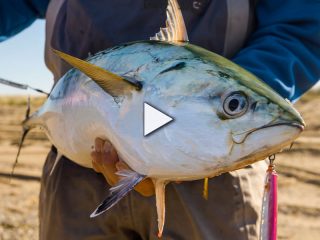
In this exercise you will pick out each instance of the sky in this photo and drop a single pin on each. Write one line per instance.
(22, 60)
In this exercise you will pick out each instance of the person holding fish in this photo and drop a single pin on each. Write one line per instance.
(277, 41)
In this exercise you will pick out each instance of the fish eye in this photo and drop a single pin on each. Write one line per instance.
(235, 104)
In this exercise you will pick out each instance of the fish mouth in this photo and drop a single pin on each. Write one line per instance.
(240, 138)
(254, 151)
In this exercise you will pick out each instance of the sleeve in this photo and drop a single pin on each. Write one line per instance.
(16, 15)
(284, 50)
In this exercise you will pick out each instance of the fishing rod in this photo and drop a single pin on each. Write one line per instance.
(21, 86)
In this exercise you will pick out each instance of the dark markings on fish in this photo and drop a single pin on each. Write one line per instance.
(117, 47)
(129, 179)
(223, 75)
(177, 66)
(212, 72)
(64, 87)
(253, 106)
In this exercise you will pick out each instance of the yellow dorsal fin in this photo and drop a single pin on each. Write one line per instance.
(175, 30)
(113, 84)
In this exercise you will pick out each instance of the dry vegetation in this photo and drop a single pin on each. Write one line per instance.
(299, 170)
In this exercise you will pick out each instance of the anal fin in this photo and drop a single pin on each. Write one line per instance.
(160, 186)
(129, 179)
(58, 157)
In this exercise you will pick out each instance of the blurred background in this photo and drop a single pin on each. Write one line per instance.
(22, 60)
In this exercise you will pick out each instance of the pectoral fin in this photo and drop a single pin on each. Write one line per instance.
(129, 179)
(113, 84)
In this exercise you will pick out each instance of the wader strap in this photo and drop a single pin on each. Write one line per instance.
(237, 26)
(51, 15)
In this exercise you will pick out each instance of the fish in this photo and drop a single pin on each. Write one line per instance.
(225, 118)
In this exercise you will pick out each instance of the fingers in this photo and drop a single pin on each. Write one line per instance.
(110, 155)
(98, 144)
(109, 160)
(104, 159)
(95, 156)
(120, 165)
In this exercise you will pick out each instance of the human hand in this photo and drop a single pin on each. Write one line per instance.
(105, 160)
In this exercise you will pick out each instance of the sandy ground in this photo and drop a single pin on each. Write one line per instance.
(299, 176)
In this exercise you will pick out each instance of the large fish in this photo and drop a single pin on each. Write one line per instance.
(225, 118)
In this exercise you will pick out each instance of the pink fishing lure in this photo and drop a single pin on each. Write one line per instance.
(268, 229)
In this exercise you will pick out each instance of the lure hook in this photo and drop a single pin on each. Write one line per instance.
(272, 158)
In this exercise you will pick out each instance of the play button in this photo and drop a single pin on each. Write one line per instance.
(154, 119)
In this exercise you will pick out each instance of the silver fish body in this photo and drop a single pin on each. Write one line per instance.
(188, 83)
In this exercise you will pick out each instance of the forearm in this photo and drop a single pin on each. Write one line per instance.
(284, 51)
(16, 15)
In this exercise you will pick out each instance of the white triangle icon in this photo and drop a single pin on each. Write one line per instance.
(154, 119)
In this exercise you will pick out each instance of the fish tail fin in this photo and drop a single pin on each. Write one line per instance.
(129, 179)
(31, 121)
(160, 186)
(25, 131)
(27, 124)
